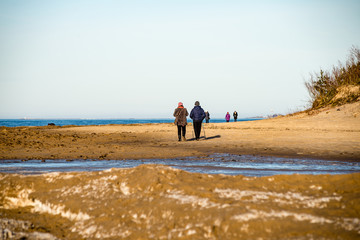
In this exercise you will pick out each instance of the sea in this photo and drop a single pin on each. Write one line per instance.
(79, 122)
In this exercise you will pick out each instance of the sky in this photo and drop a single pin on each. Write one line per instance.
(138, 59)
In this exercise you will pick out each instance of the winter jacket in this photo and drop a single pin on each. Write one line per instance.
(227, 117)
(180, 115)
(197, 114)
(235, 114)
(207, 115)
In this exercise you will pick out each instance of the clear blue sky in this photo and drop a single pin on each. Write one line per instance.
(123, 59)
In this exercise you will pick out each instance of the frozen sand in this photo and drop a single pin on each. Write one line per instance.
(158, 202)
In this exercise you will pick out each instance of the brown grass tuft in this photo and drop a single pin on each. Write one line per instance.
(338, 87)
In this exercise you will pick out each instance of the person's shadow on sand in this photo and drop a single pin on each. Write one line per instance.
(205, 138)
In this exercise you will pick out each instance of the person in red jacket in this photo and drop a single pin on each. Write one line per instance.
(227, 117)
(180, 115)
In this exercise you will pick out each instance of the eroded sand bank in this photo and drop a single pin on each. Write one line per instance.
(158, 202)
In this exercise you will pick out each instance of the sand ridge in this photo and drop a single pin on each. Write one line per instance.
(159, 202)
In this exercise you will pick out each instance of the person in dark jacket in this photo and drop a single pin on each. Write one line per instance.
(207, 117)
(235, 114)
(180, 115)
(197, 114)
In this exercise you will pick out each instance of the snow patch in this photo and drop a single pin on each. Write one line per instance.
(193, 200)
(125, 189)
(281, 198)
(22, 200)
(349, 224)
(254, 214)
(91, 230)
(315, 187)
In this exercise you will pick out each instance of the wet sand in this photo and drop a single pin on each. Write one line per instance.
(227, 164)
(332, 133)
(159, 202)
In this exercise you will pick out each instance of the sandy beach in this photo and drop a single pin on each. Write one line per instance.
(160, 202)
(332, 133)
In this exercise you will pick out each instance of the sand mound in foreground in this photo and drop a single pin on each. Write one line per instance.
(158, 202)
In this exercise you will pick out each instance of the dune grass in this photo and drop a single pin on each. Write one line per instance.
(339, 86)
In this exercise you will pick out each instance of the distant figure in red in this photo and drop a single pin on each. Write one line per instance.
(227, 117)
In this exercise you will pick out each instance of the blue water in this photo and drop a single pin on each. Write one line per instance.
(228, 164)
(64, 122)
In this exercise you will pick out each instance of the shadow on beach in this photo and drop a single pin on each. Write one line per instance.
(205, 138)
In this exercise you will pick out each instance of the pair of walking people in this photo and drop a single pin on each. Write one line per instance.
(197, 114)
(227, 116)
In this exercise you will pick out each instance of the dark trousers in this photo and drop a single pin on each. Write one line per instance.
(183, 129)
(197, 128)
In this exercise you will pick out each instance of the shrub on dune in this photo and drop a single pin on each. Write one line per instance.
(336, 87)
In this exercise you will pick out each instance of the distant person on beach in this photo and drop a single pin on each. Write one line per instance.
(207, 117)
(197, 114)
(227, 117)
(235, 114)
(180, 115)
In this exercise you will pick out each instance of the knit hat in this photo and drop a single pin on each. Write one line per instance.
(180, 104)
(197, 103)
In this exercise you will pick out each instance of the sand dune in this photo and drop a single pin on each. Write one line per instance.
(158, 202)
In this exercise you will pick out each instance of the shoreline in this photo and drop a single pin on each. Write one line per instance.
(225, 164)
(330, 134)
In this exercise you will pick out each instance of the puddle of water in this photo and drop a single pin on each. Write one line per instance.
(215, 164)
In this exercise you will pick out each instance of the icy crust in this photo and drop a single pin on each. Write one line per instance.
(194, 201)
(288, 198)
(159, 202)
(349, 224)
(18, 229)
(23, 200)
